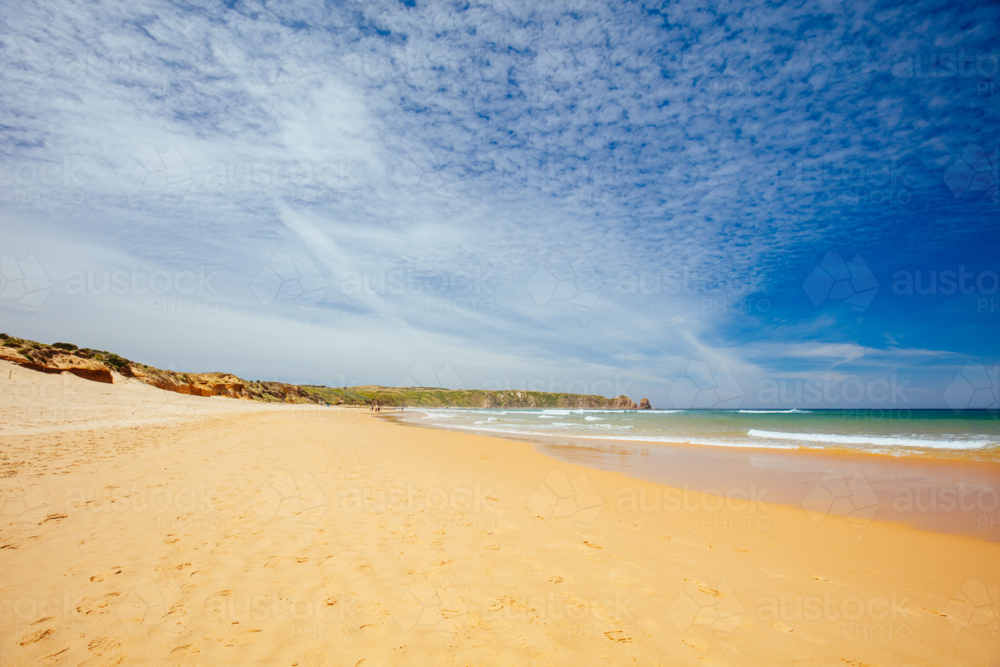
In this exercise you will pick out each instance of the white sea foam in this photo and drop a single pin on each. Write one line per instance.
(878, 441)
(793, 411)
(594, 419)
(637, 439)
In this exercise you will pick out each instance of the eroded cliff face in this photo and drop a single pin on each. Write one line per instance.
(100, 366)
(53, 360)
(624, 403)
(644, 404)
(222, 384)
(193, 384)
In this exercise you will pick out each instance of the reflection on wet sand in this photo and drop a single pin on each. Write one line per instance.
(949, 496)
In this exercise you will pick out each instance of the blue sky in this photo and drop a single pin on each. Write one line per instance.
(608, 198)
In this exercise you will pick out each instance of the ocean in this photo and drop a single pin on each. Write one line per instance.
(895, 432)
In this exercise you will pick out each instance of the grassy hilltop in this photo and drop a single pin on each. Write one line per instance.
(432, 397)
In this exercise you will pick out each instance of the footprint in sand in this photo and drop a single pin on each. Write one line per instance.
(618, 636)
(817, 577)
(96, 606)
(102, 645)
(35, 637)
(781, 627)
(104, 575)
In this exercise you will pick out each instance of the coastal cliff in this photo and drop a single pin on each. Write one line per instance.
(107, 367)
(101, 366)
(434, 397)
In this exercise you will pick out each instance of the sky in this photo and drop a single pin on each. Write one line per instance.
(706, 204)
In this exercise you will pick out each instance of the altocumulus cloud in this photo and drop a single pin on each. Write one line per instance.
(589, 192)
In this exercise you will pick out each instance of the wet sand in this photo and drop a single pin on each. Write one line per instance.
(954, 496)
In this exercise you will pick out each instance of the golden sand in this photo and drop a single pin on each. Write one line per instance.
(144, 528)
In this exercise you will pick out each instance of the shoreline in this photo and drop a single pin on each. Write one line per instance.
(984, 455)
(951, 496)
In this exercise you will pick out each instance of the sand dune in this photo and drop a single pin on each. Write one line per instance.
(140, 528)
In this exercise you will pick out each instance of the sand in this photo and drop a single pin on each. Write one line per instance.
(140, 528)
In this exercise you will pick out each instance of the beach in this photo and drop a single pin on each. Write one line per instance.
(143, 527)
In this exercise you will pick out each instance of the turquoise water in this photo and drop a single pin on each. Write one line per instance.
(885, 431)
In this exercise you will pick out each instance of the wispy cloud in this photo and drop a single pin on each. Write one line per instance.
(432, 160)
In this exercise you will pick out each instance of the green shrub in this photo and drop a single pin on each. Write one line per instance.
(116, 362)
(65, 346)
